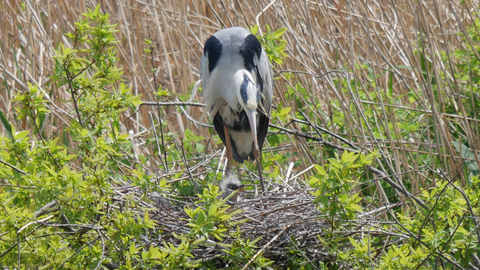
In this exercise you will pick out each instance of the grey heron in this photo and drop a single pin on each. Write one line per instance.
(237, 87)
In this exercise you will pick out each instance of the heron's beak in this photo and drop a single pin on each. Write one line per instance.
(252, 118)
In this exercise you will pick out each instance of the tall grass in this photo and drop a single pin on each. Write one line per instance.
(381, 60)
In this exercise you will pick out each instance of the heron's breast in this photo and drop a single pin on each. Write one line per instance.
(235, 120)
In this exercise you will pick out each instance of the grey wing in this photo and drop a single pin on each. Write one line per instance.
(205, 75)
(208, 94)
(265, 71)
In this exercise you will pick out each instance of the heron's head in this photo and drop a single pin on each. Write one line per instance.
(229, 185)
(247, 92)
(248, 95)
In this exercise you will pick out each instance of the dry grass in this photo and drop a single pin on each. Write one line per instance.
(326, 42)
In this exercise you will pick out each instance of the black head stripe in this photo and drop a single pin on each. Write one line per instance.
(259, 79)
(243, 88)
(251, 48)
(258, 97)
(212, 49)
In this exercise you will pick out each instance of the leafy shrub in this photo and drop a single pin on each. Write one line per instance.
(58, 195)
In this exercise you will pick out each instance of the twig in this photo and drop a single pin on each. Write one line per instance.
(261, 12)
(301, 134)
(325, 131)
(103, 250)
(165, 166)
(186, 164)
(264, 247)
(401, 189)
(17, 186)
(13, 167)
(47, 208)
(23, 228)
(111, 265)
(173, 103)
(189, 117)
(76, 252)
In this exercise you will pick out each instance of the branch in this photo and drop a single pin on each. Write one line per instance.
(12, 167)
(313, 138)
(47, 208)
(111, 265)
(384, 176)
(173, 103)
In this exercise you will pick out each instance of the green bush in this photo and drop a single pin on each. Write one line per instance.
(58, 203)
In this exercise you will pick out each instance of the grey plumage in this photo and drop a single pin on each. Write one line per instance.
(225, 53)
(229, 185)
(237, 87)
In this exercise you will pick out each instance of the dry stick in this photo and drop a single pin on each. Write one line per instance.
(298, 248)
(220, 163)
(76, 252)
(289, 172)
(165, 165)
(324, 130)
(401, 189)
(259, 14)
(47, 208)
(264, 247)
(259, 165)
(176, 103)
(301, 134)
(103, 250)
(477, 261)
(186, 164)
(295, 176)
(189, 117)
(23, 228)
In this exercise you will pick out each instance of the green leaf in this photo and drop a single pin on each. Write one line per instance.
(469, 157)
(254, 30)
(6, 125)
(21, 135)
(132, 249)
(201, 217)
(279, 32)
(212, 210)
(84, 133)
(285, 111)
(320, 170)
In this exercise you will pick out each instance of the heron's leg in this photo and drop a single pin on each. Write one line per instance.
(257, 155)
(229, 148)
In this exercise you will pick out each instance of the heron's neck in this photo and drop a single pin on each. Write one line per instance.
(231, 96)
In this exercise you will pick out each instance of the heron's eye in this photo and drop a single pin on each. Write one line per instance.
(233, 186)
